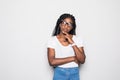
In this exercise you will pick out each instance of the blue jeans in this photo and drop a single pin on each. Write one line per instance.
(66, 73)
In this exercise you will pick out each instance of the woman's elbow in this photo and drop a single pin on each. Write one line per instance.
(52, 63)
(83, 60)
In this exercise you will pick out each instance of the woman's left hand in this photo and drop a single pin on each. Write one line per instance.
(68, 37)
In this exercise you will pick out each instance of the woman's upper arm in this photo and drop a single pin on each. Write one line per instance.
(51, 54)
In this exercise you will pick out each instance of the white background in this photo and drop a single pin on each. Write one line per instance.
(25, 26)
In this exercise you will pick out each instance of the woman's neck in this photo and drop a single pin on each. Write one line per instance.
(61, 35)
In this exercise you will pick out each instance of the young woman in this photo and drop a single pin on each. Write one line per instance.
(65, 49)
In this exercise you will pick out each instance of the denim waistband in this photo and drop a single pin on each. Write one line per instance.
(68, 67)
(61, 73)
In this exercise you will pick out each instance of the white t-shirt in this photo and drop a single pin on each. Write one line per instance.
(64, 51)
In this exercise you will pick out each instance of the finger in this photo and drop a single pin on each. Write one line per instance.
(66, 37)
(65, 33)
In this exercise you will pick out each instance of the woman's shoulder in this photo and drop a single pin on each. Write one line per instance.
(78, 40)
(77, 37)
(51, 42)
(51, 38)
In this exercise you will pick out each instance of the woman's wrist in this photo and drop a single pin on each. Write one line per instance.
(73, 58)
(73, 44)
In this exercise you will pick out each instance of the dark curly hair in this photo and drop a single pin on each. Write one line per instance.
(60, 19)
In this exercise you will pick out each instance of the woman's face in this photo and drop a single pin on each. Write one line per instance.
(66, 25)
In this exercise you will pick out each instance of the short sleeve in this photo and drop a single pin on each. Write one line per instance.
(79, 42)
(51, 43)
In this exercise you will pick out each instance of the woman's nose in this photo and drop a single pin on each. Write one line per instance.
(66, 26)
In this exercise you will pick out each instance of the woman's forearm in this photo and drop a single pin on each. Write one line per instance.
(79, 54)
(60, 61)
